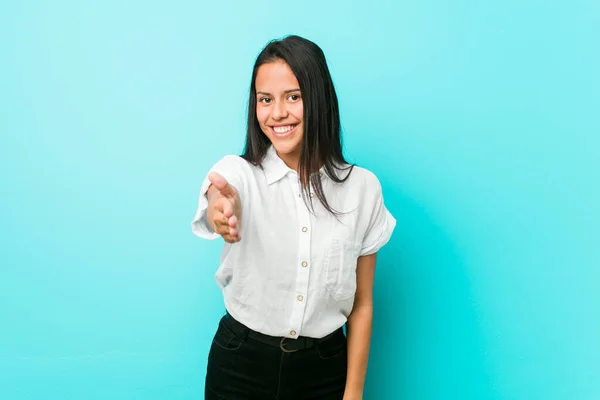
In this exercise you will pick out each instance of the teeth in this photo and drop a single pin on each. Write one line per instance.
(283, 129)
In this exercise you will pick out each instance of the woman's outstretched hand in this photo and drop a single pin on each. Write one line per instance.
(224, 212)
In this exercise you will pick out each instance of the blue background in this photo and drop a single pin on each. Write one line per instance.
(481, 120)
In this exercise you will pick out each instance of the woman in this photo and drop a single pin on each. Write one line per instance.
(302, 228)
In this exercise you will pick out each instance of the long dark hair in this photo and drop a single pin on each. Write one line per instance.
(322, 144)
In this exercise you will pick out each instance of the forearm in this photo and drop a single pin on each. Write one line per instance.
(360, 323)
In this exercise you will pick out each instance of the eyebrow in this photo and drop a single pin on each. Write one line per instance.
(285, 92)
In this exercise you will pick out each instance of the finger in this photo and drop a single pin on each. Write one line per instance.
(221, 184)
(231, 238)
(232, 221)
(223, 229)
(218, 220)
(227, 208)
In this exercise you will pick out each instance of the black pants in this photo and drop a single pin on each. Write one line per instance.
(243, 368)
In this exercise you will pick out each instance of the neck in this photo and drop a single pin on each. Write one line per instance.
(291, 160)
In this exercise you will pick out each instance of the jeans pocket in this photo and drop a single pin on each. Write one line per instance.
(340, 269)
(333, 347)
(226, 339)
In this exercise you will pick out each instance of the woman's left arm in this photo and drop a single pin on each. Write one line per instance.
(359, 328)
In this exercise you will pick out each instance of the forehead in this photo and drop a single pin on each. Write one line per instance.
(274, 76)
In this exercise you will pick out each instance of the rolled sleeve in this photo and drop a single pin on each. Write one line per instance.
(381, 225)
(229, 167)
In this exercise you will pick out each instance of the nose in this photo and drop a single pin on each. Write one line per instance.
(279, 111)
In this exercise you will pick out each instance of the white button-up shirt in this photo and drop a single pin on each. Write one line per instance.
(294, 272)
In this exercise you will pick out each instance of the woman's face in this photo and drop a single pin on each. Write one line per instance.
(279, 110)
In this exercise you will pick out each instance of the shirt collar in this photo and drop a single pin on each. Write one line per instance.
(275, 168)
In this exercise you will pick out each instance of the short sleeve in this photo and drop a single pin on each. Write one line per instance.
(231, 168)
(381, 224)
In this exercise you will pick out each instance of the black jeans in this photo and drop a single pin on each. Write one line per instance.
(243, 368)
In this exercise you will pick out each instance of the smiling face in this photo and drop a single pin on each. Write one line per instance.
(279, 110)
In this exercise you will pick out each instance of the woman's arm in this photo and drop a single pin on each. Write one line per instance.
(359, 328)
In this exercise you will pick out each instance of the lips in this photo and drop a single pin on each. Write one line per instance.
(283, 130)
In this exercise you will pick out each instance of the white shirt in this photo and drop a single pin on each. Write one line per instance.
(294, 273)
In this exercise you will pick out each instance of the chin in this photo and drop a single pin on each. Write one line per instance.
(285, 148)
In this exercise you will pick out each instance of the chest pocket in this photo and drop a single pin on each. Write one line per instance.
(340, 269)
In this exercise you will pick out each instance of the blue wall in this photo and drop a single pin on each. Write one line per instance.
(480, 118)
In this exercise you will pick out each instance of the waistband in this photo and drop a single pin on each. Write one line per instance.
(285, 344)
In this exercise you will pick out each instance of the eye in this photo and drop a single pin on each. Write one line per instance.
(294, 97)
(265, 100)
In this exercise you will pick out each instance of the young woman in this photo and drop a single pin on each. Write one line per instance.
(302, 229)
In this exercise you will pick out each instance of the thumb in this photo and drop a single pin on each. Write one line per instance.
(221, 184)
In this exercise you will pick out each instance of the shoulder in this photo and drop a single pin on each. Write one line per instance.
(235, 169)
(363, 179)
(233, 162)
(232, 159)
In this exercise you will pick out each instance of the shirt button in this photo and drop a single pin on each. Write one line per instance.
(293, 332)
(304, 264)
(304, 229)
(300, 298)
